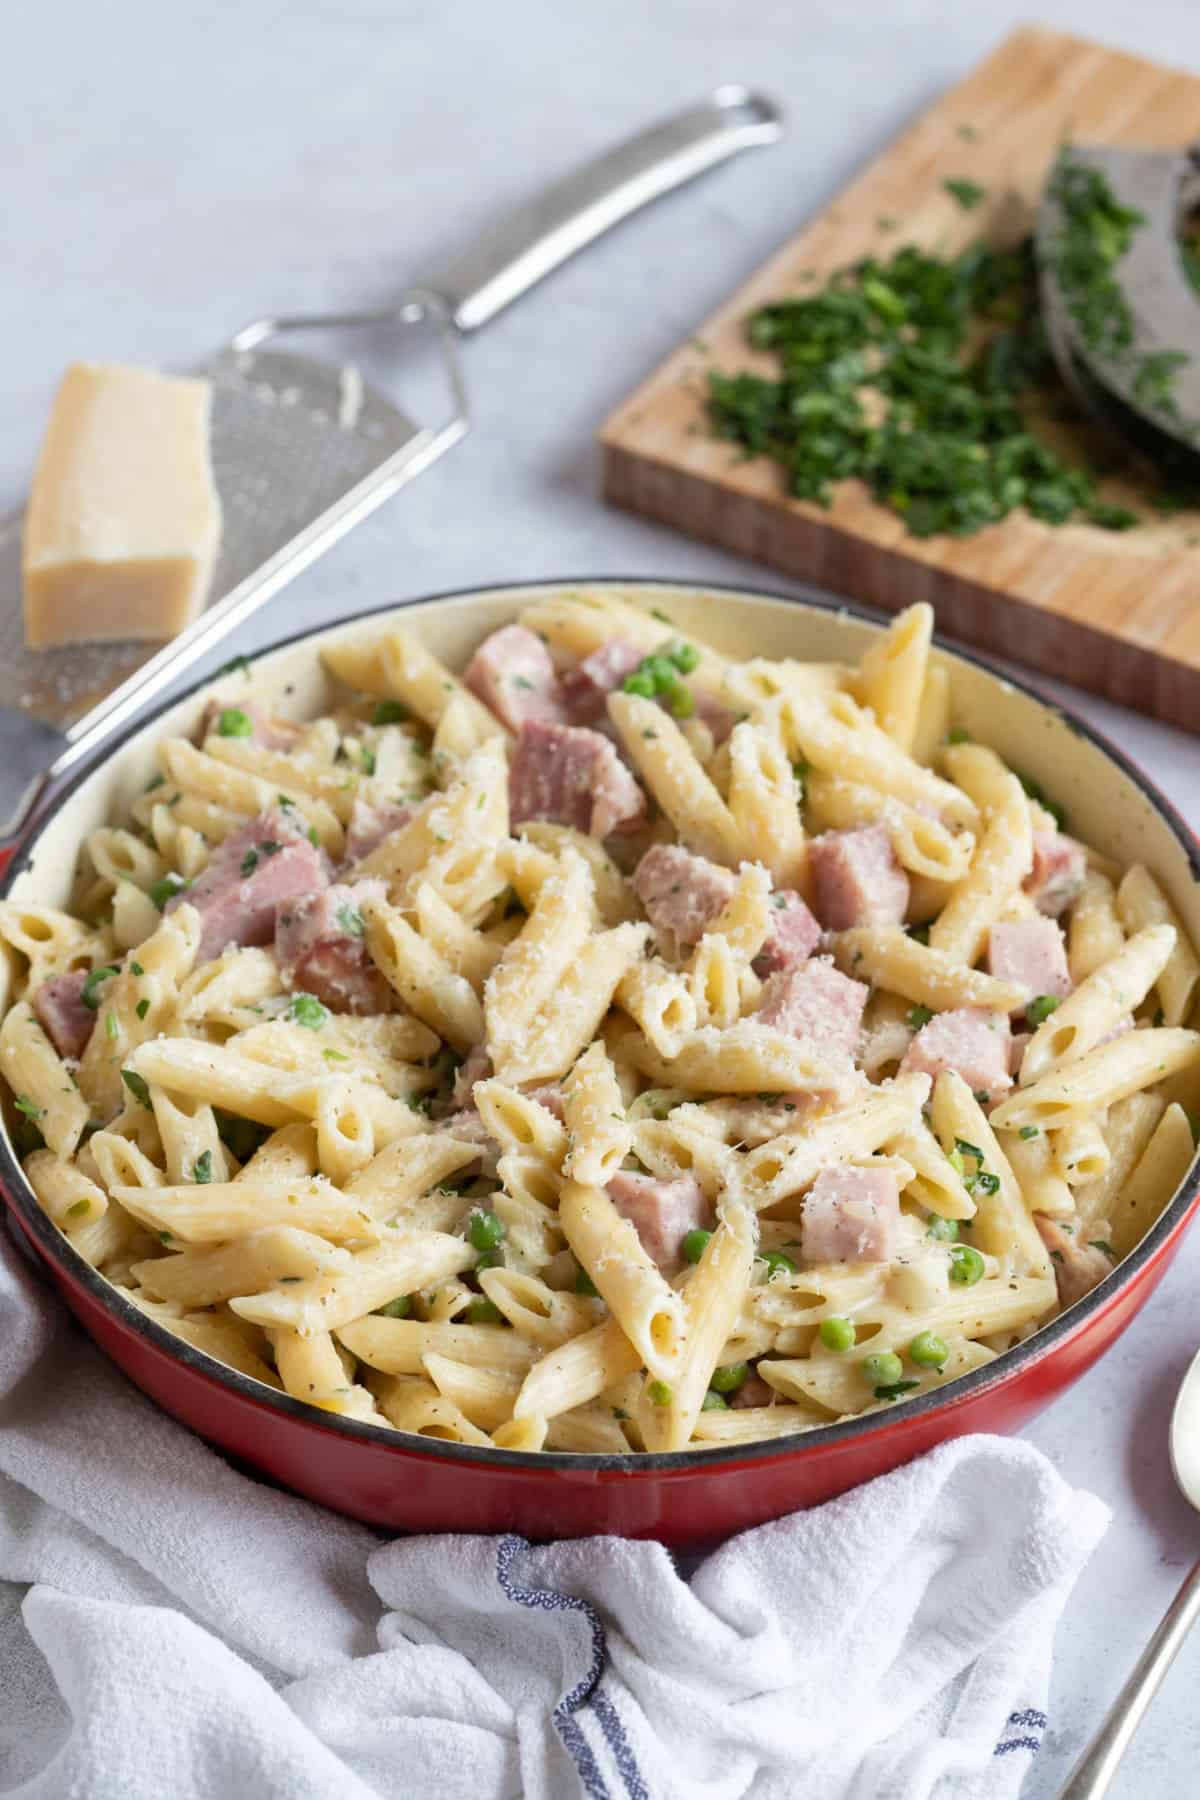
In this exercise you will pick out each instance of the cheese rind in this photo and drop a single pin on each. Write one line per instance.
(123, 522)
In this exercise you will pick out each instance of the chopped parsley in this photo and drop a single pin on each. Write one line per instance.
(919, 375)
(137, 1086)
(367, 758)
(967, 193)
(894, 1390)
(202, 1168)
(135, 968)
(155, 782)
(94, 980)
(1029, 1131)
(350, 920)
(389, 712)
(306, 1010)
(29, 1107)
(237, 665)
(166, 888)
(249, 862)
(917, 1016)
(111, 1028)
(1105, 1246)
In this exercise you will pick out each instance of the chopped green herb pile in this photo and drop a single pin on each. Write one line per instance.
(914, 373)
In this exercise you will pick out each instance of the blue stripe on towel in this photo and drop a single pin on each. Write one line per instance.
(1031, 1720)
(586, 1691)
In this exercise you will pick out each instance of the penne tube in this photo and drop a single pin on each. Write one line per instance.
(648, 1311)
(1108, 1073)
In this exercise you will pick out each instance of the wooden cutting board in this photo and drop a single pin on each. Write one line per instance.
(1115, 612)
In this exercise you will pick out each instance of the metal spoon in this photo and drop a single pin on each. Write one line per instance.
(1094, 1771)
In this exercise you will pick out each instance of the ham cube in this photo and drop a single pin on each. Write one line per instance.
(259, 868)
(817, 1004)
(1031, 953)
(1059, 867)
(477, 1067)
(370, 825)
(754, 1391)
(851, 1214)
(857, 879)
(265, 732)
(793, 936)
(511, 672)
(682, 894)
(973, 1041)
(469, 1128)
(661, 1212)
(61, 1013)
(1078, 1268)
(587, 686)
(321, 950)
(572, 776)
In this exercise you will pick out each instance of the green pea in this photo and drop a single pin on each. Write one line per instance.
(681, 700)
(883, 1368)
(928, 1350)
(966, 1264)
(484, 1230)
(714, 1402)
(685, 656)
(233, 722)
(585, 1285)
(658, 1393)
(661, 671)
(777, 1263)
(484, 1312)
(399, 1308)
(728, 1378)
(640, 683)
(838, 1334)
(1041, 1007)
(945, 1230)
(695, 1244)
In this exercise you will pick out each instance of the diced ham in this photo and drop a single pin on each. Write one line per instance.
(662, 1212)
(61, 1013)
(477, 1067)
(511, 672)
(972, 1040)
(754, 1391)
(320, 948)
(817, 1004)
(793, 936)
(549, 1095)
(851, 1214)
(572, 776)
(256, 870)
(469, 1128)
(1059, 867)
(370, 825)
(1078, 1267)
(587, 686)
(1031, 953)
(682, 893)
(719, 719)
(857, 879)
(265, 732)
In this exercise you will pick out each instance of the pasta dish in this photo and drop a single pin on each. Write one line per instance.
(609, 1047)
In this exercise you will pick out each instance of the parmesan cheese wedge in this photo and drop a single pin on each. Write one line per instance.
(123, 522)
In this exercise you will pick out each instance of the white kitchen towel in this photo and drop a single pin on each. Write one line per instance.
(188, 1631)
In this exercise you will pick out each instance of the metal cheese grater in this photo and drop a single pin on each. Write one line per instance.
(1165, 308)
(304, 449)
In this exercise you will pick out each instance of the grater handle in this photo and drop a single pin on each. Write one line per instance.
(534, 239)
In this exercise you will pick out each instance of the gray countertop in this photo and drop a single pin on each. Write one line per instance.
(173, 170)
